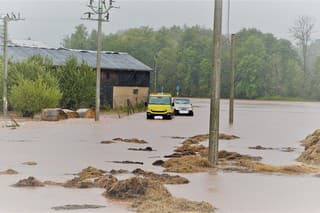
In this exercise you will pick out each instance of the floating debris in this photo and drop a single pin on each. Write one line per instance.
(147, 149)
(107, 142)
(132, 140)
(158, 163)
(30, 163)
(127, 162)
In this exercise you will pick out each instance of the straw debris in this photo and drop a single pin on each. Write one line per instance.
(29, 182)
(311, 155)
(187, 164)
(163, 178)
(132, 140)
(90, 172)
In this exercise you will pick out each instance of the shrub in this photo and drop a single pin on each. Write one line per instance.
(29, 97)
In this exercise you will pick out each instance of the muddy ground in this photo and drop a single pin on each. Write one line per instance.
(63, 149)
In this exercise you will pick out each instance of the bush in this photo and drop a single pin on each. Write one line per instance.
(29, 97)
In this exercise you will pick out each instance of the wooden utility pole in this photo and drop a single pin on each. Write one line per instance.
(5, 63)
(215, 85)
(232, 57)
(103, 13)
(6, 19)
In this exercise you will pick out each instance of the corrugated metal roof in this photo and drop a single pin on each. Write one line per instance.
(109, 60)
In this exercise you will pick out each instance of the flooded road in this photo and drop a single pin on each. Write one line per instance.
(66, 147)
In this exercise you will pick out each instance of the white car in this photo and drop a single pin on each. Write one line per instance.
(182, 106)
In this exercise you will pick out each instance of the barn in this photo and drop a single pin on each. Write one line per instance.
(122, 76)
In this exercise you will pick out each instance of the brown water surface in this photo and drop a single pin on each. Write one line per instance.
(66, 147)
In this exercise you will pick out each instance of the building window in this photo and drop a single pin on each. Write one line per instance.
(107, 75)
(135, 91)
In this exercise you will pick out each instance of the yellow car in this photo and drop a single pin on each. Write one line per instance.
(160, 106)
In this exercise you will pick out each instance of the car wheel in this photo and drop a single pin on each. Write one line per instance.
(191, 113)
(149, 116)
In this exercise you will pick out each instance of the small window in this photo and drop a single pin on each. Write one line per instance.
(135, 91)
(108, 75)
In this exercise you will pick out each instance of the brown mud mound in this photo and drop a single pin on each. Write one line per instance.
(105, 181)
(200, 138)
(77, 207)
(90, 172)
(78, 183)
(132, 140)
(187, 164)
(163, 178)
(29, 182)
(311, 155)
(9, 172)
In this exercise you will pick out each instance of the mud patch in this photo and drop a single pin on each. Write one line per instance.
(77, 207)
(132, 140)
(163, 178)
(29, 182)
(9, 172)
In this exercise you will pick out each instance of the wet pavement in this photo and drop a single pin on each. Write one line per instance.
(66, 147)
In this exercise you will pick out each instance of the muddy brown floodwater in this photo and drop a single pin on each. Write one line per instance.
(64, 148)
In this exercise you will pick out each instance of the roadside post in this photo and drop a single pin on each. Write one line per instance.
(232, 56)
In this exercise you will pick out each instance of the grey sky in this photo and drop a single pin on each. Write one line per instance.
(50, 20)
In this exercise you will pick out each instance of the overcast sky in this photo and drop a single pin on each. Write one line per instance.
(50, 21)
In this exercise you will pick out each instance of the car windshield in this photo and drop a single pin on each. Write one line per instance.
(160, 100)
(182, 101)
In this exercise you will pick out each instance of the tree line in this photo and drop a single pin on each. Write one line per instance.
(266, 66)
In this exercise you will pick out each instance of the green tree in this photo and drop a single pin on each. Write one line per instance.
(77, 83)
